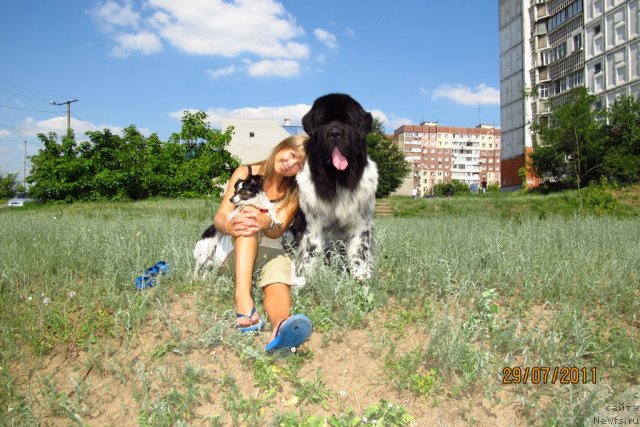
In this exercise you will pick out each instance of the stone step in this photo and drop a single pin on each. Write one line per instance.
(383, 209)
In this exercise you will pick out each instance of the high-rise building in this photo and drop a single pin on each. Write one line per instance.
(548, 47)
(612, 49)
(441, 153)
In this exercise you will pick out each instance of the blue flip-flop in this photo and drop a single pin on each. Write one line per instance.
(251, 328)
(148, 279)
(144, 282)
(157, 268)
(291, 333)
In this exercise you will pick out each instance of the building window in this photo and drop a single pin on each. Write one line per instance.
(596, 30)
(597, 68)
(577, 42)
(252, 134)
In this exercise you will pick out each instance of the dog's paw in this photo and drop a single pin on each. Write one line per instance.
(361, 274)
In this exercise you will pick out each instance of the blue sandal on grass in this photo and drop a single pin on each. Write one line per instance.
(157, 268)
(144, 282)
(291, 333)
(148, 279)
(251, 328)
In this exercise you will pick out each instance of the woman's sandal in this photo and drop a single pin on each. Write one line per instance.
(251, 328)
(290, 333)
(148, 279)
(157, 268)
(144, 282)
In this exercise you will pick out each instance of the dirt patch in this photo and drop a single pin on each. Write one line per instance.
(115, 386)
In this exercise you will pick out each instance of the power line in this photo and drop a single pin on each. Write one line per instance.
(26, 96)
(30, 90)
(84, 121)
(372, 28)
(29, 109)
(13, 127)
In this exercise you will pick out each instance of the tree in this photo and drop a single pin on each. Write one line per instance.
(8, 185)
(132, 166)
(57, 172)
(572, 135)
(207, 164)
(392, 165)
(622, 158)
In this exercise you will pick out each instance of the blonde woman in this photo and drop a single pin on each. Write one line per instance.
(257, 245)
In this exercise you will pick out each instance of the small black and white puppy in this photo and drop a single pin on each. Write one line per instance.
(248, 192)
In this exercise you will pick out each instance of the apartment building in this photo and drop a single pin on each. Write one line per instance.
(548, 47)
(442, 153)
(612, 49)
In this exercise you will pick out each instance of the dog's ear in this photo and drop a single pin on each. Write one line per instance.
(307, 122)
(367, 123)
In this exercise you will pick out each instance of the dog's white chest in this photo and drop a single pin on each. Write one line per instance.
(348, 207)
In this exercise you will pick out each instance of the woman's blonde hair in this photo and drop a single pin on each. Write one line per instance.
(268, 168)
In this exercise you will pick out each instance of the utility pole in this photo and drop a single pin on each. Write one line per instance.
(24, 170)
(68, 111)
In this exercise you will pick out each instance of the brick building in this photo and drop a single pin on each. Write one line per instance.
(442, 153)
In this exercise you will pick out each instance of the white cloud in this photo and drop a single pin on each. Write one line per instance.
(379, 115)
(390, 123)
(276, 68)
(396, 122)
(111, 15)
(144, 42)
(205, 27)
(221, 72)
(4, 133)
(292, 112)
(32, 127)
(350, 32)
(460, 94)
(326, 37)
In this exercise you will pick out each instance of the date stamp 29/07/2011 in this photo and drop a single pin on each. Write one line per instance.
(549, 375)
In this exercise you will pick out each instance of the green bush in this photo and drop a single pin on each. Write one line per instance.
(451, 188)
(599, 197)
(8, 185)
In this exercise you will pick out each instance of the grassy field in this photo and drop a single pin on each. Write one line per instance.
(464, 289)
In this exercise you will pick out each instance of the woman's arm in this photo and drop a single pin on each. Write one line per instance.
(240, 225)
(285, 217)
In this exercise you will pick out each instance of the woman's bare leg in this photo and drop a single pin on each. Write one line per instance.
(246, 250)
(277, 304)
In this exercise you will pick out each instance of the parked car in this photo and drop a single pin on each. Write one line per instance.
(19, 200)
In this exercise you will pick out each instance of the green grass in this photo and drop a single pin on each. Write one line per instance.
(516, 205)
(489, 282)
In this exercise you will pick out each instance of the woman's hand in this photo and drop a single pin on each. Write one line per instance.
(245, 223)
(248, 222)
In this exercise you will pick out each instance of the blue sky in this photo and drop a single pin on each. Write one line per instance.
(144, 62)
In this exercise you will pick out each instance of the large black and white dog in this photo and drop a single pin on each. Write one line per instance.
(337, 185)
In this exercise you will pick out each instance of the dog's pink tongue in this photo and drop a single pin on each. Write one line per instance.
(339, 161)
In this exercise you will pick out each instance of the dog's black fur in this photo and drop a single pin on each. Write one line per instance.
(337, 202)
(336, 120)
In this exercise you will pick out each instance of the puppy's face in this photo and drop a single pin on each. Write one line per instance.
(337, 126)
(246, 189)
